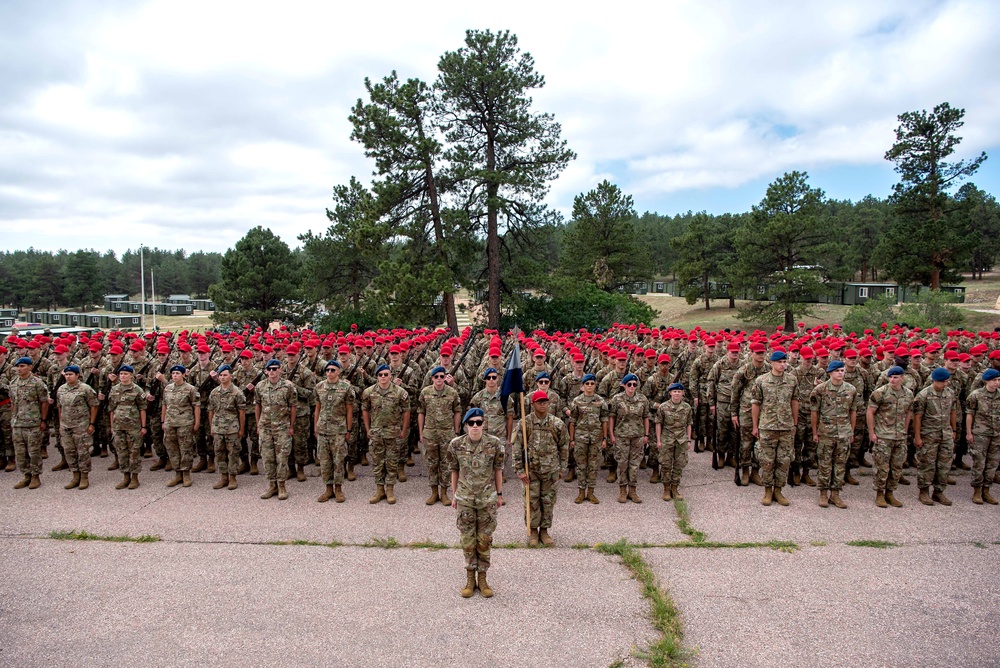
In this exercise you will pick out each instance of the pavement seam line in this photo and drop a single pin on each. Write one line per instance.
(669, 651)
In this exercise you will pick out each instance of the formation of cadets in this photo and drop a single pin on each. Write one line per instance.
(782, 409)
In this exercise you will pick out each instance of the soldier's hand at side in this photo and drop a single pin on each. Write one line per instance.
(100, 396)
(711, 409)
(815, 438)
(736, 421)
(917, 441)
(873, 438)
(90, 429)
(850, 439)
(50, 401)
(522, 477)
(240, 433)
(968, 436)
(696, 403)
(291, 431)
(755, 432)
(150, 397)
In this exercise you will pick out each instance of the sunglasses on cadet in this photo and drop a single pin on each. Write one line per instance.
(475, 423)
(631, 384)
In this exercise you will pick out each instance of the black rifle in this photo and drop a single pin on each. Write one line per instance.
(59, 383)
(157, 391)
(739, 461)
(457, 365)
(715, 442)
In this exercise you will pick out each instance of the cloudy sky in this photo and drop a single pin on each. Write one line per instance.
(183, 124)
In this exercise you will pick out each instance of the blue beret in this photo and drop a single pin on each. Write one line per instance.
(333, 363)
(383, 367)
(224, 367)
(940, 374)
(894, 371)
(489, 371)
(589, 378)
(676, 386)
(126, 367)
(178, 367)
(23, 360)
(438, 369)
(629, 378)
(471, 413)
(834, 365)
(778, 356)
(72, 368)
(542, 375)
(990, 374)
(272, 363)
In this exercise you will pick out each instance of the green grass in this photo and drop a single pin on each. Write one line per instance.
(389, 543)
(818, 543)
(429, 545)
(684, 522)
(582, 546)
(878, 544)
(83, 535)
(782, 545)
(669, 650)
(332, 543)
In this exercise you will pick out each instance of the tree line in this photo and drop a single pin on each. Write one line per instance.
(51, 280)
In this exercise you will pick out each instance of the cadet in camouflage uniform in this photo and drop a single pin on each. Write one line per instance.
(834, 406)
(488, 399)
(385, 411)
(983, 434)
(476, 462)
(888, 419)
(246, 376)
(720, 388)
(698, 376)
(274, 410)
(153, 400)
(180, 414)
(743, 380)
(77, 404)
(334, 421)
(547, 457)
(7, 374)
(934, 422)
(54, 381)
(30, 406)
(127, 406)
(775, 413)
(628, 424)
(203, 377)
(227, 411)
(439, 411)
(304, 381)
(807, 377)
(588, 436)
(674, 421)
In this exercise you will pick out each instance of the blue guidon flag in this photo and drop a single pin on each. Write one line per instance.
(513, 380)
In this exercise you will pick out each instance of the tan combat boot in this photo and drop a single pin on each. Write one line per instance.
(836, 500)
(84, 480)
(581, 496)
(806, 480)
(746, 476)
(779, 498)
(300, 472)
(351, 475)
(987, 498)
(186, 475)
(755, 476)
(850, 479)
(272, 489)
(768, 496)
(401, 473)
(977, 495)
(378, 495)
(176, 480)
(543, 535)
(925, 497)
(655, 478)
(941, 498)
(433, 498)
(591, 496)
(327, 495)
(891, 499)
(470, 584)
(158, 464)
(232, 481)
(484, 586)
(114, 464)
(133, 482)
(903, 480)
(676, 492)
(11, 465)
(409, 461)
(952, 481)
(338, 494)
(211, 465)
(24, 483)
(125, 481)
(622, 494)
(74, 482)
(533, 538)
(880, 500)
(223, 481)
(364, 459)
(611, 476)
(390, 496)
(62, 465)
(253, 467)
(570, 476)
(282, 491)
(199, 466)
(667, 496)
(824, 495)
(445, 501)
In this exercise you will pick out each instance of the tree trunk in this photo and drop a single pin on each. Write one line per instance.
(492, 236)
(936, 278)
(449, 296)
(732, 301)
(708, 296)
(789, 321)
(864, 270)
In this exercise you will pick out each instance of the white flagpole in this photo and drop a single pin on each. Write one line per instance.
(152, 288)
(142, 281)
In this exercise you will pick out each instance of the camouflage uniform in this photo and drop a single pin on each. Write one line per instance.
(201, 380)
(385, 409)
(861, 382)
(588, 415)
(889, 452)
(7, 373)
(496, 419)
(674, 420)
(476, 495)
(548, 456)
(776, 426)
(984, 407)
(242, 378)
(225, 405)
(331, 428)
(833, 405)
(743, 380)
(74, 404)
(179, 404)
(934, 457)
(805, 445)
(126, 403)
(276, 401)
(704, 425)
(54, 381)
(304, 381)
(439, 409)
(720, 388)
(629, 414)
(27, 397)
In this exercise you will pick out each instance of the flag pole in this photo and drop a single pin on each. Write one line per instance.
(527, 474)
